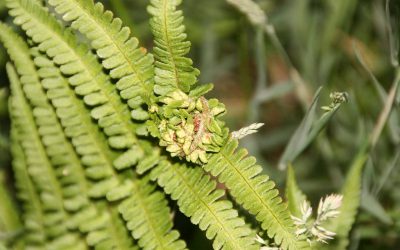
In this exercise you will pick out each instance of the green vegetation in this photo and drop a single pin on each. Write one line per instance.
(111, 138)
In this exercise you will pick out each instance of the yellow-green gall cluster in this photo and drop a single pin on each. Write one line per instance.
(190, 128)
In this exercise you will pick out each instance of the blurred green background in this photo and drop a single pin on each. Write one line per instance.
(342, 45)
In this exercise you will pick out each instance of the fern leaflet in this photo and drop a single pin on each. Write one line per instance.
(351, 192)
(172, 69)
(127, 189)
(293, 194)
(62, 155)
(80, 141)
(34, 237)
(120, 54)
(198, 199)
(255, 192)
(39, 167)
(85, 73)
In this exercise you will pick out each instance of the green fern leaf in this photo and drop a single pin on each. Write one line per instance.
(84, 72)
(107, 230)
(151, 211)
(184, 114)
(95, 223)
(80, 136)
(10, 224)
(172, 69)
(53, 39)
(57, 147)
(198, 199)
(166, 232)
(110, 184)
(32, 216)
(255, 192)
(39, 167)
(119, 52)
(96, 157)
(351, 192)
(294, 195)
(127, 189)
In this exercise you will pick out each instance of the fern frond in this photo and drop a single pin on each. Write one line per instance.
(86, 77)
(9, 212)
(172, 69)
(119, 52)
(69, 169)
(94, 221)
(101, 224)
(107, 230)
(87, 72)
(150, 212)
(255, 192)
(351, 192)
(84, 72)
(61, 153)
(149, 217)
(198, 199)
(40, 168)
(88, 141)
(168, 237)
(32, 216)
(186, 123)
(117, 191)
(294, 195)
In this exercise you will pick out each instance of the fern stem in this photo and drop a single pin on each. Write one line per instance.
(166, 24)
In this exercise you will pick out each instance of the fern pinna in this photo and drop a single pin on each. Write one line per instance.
(99, 123)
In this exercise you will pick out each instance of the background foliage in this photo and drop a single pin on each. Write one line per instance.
(342, 45)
